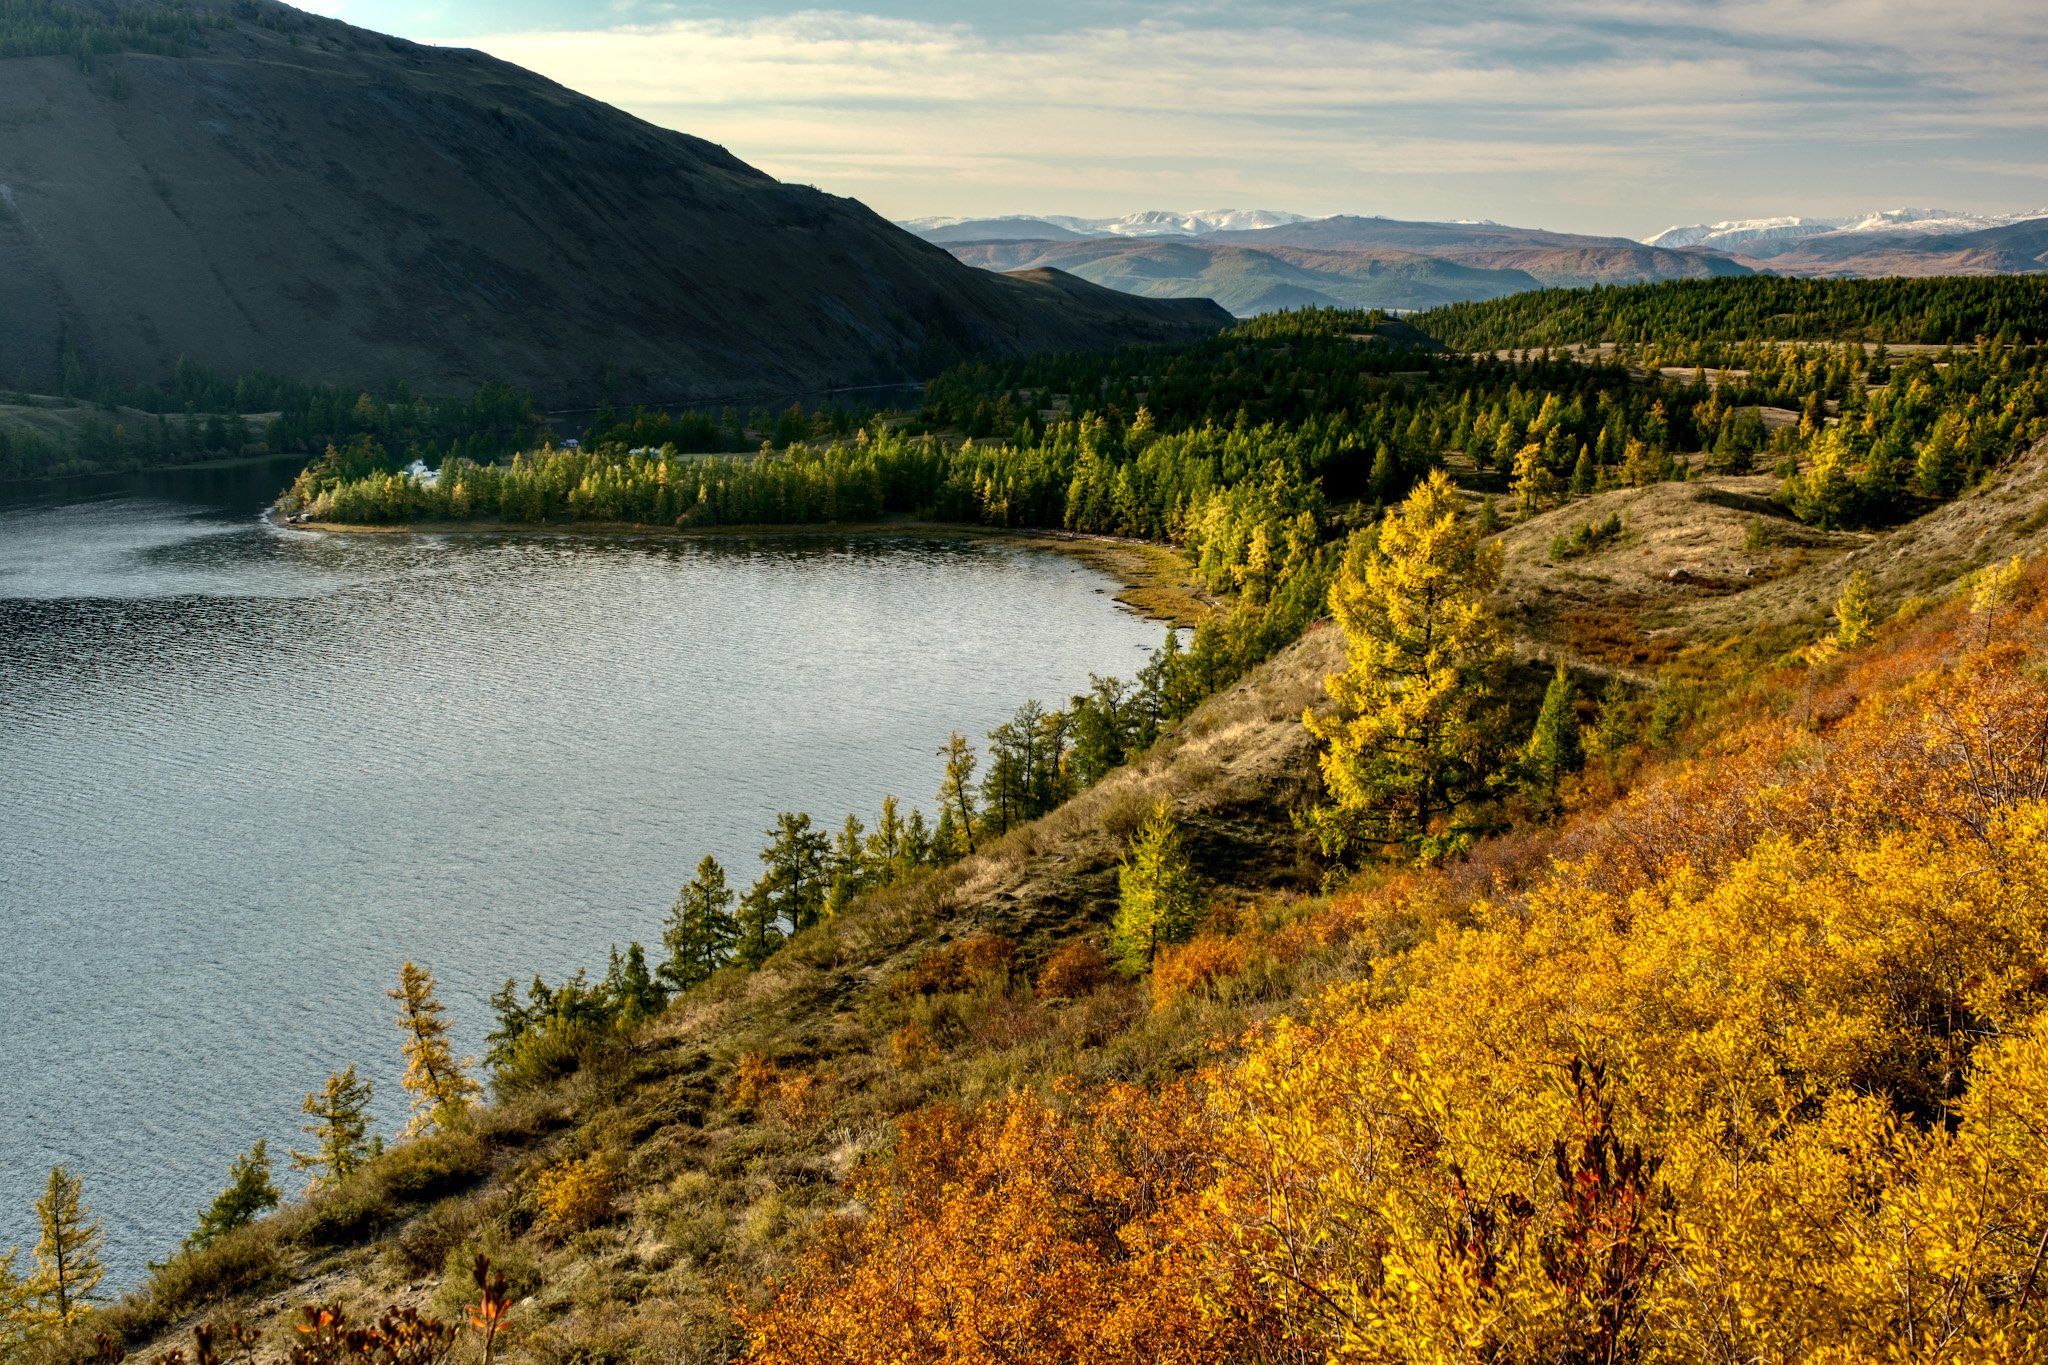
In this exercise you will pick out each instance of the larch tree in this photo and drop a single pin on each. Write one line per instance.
(68, 1268)
(701, 932)
(1158, 894)
(17, 1307)
(1995, 588)
(1413, 735)
(956, 796)
(439, 1085)
(1855, 611)
(340, 1129)
(249, 1193)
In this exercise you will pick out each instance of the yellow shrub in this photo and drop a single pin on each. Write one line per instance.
(575, 1194)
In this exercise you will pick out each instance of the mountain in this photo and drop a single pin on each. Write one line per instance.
(1345, 261)
(2013, 249)
(1058, 227)
(1549, 258)
(1249, 281)
(1766, 237)
(253, 188)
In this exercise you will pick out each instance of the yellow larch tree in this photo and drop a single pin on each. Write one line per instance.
(1414, 733)
(440, 1086)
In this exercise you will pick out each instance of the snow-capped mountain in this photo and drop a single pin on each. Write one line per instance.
(1760, 236)
(1152, 223)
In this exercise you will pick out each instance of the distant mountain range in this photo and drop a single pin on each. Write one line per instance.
(1300, 262)
(1058, 227)
(1765, 237)
(1256, 261)
(260, 189)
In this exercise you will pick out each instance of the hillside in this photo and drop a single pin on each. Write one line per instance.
(738, 1125)
(283, 193)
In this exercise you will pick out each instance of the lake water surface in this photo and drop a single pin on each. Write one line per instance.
(245, 771)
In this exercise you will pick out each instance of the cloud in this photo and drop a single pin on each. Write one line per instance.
(1574, 106)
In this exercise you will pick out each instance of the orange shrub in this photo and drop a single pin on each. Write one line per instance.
(755, 1078)
(1016, 1231)
(961, 966)
(1197, 965)
(1073, 971)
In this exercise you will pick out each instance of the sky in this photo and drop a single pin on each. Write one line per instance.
(1607, 116)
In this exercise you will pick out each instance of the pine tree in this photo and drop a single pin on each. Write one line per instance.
(68, 1267)
(760, 927)
(1158, 896)
(956, 796)
(630, 992)
(795, 873)
(1855, 611)
(340, 1130)
(1554, 749)
(1411, 739)
(701, 932)
(249, 1193)
(439, 1085)
(887, 853)
(850, 872)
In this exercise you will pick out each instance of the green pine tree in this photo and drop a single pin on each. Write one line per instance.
(1158, 896)
(249, 1192)
(1554, 749)
(701, 932)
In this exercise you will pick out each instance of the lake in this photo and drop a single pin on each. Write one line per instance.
(245, 771)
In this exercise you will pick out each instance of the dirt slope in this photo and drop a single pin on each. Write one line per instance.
(1701, 560)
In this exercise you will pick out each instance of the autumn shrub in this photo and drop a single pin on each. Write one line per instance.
(1749, 1064)
(1017, 1231)
(966, 965)
(576, 1193)
(1198, 965)
(753, 1079)
(1073, 971)
(912, 1047)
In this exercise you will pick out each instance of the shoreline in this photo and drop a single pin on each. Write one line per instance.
(1157, 581)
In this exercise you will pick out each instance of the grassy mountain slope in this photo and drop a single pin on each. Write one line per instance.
(292, 195)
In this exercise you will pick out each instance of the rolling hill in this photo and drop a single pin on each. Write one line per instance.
(251, 188)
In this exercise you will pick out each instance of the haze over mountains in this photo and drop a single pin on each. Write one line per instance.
(1362, 262)
(252, 188)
